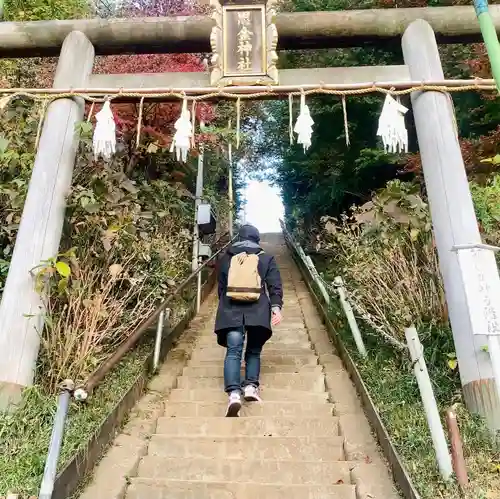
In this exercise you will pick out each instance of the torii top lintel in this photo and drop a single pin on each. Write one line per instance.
(192, 34)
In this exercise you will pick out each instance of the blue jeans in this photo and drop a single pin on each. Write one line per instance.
(232, 362)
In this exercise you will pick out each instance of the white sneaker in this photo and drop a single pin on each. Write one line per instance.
(234, 405)
(251, 394)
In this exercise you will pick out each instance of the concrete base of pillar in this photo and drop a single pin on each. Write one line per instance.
(10, 395)
(481, 398)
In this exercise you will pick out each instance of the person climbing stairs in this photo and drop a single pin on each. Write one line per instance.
(307, 439)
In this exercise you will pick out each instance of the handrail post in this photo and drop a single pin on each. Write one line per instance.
(198, 290)
(49, 474)
(457, 451)
(338, 282)
(317, 279)
(165, 314)
(429, 403)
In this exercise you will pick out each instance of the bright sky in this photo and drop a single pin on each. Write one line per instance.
(264, 207)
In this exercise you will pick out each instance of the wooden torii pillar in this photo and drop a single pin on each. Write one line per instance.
(453, 217)
(39, 235)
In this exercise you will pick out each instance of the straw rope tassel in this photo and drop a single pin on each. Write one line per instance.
(304, 123)
(346, 124)
(104, 140)
(181, 142)
(139, 123)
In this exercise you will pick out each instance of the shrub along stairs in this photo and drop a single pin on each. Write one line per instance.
(308, 439)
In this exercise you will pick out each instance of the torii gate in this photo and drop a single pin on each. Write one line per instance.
(450, 201)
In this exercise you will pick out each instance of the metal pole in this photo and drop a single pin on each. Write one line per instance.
(159, 335)
(457, 451)
(230, 186)
(197, 202)
(429, 402)
(351, 319)
(314, 273)
(198, 291)
(196, 239)
(490, 37)
(49, 474)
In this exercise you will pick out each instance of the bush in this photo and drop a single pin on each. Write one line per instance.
(487, 207)
(17, 154)
(386, 254)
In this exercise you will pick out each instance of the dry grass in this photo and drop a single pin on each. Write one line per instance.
(395, 285)
(96, 314)
(385, 252)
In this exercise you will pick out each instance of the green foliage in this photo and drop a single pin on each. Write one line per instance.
(487, 207)
(39, 10)
(126, 241)
(17, 153)
(36, 72)
(25, 434)
(19, 121)
(331, 175)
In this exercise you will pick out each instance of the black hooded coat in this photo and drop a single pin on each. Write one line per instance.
(255, 316)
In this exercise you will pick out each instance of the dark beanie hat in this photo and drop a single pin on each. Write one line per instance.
(249, 233)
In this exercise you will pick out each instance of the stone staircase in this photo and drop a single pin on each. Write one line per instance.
(308, 439)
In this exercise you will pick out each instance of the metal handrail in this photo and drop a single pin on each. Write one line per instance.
(82, 392)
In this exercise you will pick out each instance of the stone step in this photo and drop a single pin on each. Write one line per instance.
(297, 342)
(142, 488)
(246, 470)
(278, 360)
(289, 381)
(295, 426)
(255, 409)
(268, 356)
(216, 370)
(268, 395)
(280, 448)
(268, 351)
(282, 332)
(288, 323)
(294, 328)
